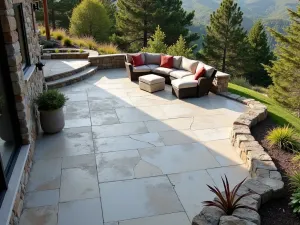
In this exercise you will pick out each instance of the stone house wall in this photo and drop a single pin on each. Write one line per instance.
(25, 86)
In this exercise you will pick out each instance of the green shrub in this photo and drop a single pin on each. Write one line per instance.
(59, 34)
(48, 44)
(295, 180)
(180, 48)
(89, 42)
(295, 201)
(107, 49)
(50, 100)
(56, 50)
(81, 50)
(67, 42)
(260, 89)
(241, 81)
(284, 137)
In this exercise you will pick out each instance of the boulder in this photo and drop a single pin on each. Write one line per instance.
(276, 185)
(259, 188)
(247, 214)
(200, 220)
(232, 220)
(212, 214)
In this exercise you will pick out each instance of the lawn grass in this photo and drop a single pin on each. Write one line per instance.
(279, 114)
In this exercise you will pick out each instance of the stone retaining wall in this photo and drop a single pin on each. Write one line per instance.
(108, 61)
(265, 183)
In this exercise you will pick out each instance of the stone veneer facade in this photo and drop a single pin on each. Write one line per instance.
(25, 86)
(265, 182)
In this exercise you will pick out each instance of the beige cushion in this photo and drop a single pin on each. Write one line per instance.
(152, 66)
(180, 74)
(153, 58)
(189, 65)
(163, 70)
(190, 77)
(152, 79)
(209, 70)
(177, 62)
(151, 87)
(143, 68)
(129, 57)
(180, 83)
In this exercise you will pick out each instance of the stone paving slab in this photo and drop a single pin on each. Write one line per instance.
(131, 156)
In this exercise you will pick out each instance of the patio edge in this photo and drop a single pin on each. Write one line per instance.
(265, 183)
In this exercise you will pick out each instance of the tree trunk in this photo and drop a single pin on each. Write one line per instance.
(145, 39)
(53, 19)
(224, 60)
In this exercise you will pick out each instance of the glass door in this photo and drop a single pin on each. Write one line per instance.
(10, 140)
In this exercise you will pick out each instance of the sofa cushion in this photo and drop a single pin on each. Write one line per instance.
(180, 73)
(200, 72)
(163, 70)
(152, 58)
(137, 60)
(152, 79)
(129, 57)
(166, 61)
(190, 77)
(189, 65)
(139, 69)
(209, 70)
(180, 84)
(177, 62)
(152, 66)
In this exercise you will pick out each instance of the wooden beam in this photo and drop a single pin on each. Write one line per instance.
(46, 19)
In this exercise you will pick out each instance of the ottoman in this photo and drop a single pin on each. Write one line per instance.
(185, 88)
(152, 83)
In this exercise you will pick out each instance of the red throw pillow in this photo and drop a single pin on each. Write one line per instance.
(137, 60)
(166, 61)
(200, 73)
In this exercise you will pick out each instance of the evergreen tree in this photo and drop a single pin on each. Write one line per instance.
(137, 20)
(285, 71)
(59, 13)
(261, 55)
(180, 48)
(90, 18)
(225, 45)
(156, 44)
(111, 10)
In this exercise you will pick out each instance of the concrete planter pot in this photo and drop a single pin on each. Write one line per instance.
(52, 121)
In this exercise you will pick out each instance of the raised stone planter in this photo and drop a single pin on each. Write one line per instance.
(108, 61)
(265, 183)
(66, 53)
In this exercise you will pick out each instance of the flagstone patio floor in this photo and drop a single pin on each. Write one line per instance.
(128, 157)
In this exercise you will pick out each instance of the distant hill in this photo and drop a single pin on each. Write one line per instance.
(272, 12)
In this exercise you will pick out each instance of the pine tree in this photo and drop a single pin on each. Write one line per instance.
(59, 13)
(111, 10)
(261, 55)
(90, 18)
(156, 44)
(137, 20)
(180, 48)
(225, 45)
(285, 71)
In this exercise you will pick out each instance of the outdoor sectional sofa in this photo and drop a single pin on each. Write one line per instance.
(181, 76)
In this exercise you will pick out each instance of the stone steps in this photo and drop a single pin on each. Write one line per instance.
(65, 81)
(67, 73)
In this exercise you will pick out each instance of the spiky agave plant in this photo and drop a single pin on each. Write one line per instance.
(230, 201)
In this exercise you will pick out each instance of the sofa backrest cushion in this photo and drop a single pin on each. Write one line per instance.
(209, 69)
(152, 58)
(129, 57)
(189, 65)
(137, 60)
(166, 61)
(177, 62)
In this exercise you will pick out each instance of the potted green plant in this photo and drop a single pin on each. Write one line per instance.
(50, 104)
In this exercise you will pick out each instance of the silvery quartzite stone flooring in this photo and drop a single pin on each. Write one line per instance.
(128, 157)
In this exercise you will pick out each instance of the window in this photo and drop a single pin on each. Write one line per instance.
(22, 35)
(10, 140)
